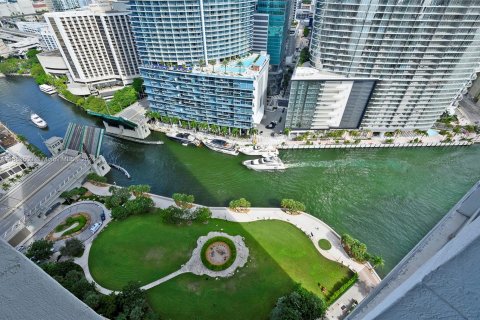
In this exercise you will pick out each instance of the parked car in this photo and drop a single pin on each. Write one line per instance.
(280, 120)
(102, 216)
(95, 227)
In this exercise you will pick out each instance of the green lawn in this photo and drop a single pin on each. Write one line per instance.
(142, 248)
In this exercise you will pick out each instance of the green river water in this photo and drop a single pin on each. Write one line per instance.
(387, 198)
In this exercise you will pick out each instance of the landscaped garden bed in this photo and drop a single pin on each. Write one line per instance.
(218, 253)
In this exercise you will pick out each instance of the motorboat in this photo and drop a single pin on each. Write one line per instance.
(220, 145)
(39, 122)
(265, 164)
(255, 150)
(47, 89)
(184, 138)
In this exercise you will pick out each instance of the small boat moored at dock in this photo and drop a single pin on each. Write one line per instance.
(265, 164)
(255, 150)
(39, 122)
(220, 145)
(47, 89)
(184, 138)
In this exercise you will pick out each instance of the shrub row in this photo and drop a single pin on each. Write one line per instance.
(343, 288)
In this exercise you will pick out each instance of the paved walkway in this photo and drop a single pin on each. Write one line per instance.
(313, 227)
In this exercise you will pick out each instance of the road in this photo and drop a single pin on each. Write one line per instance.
(33, 194)
(470, 109)
(93, 209)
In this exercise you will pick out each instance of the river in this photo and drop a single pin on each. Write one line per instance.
(387, 198)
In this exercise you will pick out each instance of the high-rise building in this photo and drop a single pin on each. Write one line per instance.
(260, 32)
(321, 100)
(97, 45)
(423, 52)
(196, 62)
(47, 40)
(62, 5)
(278, 27)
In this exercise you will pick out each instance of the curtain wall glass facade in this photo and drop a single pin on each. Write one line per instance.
(278, 27)
(424, 53)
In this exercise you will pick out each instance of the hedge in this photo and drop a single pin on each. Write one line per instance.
(228, 263)
(340, 291)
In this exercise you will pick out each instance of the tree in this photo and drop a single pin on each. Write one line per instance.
(75, 282)
(107, 306)
(137, 84)
(292, 206)
(202, 214)
(40, 250)
(300, 304)
(225, 64)
(304, 56)
(239, 205)
(184, 201)
(72, 248)
(240, 66)
(132, 304)
(172, 215)
(32, 54)
(139, 205)
(377, 261)
(119, 197)
(139, 189)
(306, 32)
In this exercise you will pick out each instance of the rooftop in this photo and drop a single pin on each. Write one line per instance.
(247, 67)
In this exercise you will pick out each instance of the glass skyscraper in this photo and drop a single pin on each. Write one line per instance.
(278, 27)
(423, 53)
(196, 62)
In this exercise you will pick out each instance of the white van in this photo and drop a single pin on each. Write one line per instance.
(95, 227)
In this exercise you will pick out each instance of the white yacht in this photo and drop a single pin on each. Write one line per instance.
(256, 150)
(220, 145)
(184, 138)
(265, 164)
(47, 89)
(39, 122)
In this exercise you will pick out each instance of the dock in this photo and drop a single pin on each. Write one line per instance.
(151, 142)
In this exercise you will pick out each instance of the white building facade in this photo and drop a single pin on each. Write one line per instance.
(321, 100)
(47, 40)
(97, 45)
(423, 52)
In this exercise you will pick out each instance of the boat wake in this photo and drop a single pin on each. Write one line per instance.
(325, 164)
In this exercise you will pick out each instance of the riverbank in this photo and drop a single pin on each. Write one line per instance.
(343, 141)
(387, 198)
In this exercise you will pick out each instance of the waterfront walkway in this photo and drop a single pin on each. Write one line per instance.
(313, 227)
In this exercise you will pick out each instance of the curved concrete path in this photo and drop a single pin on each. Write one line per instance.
(313, 227)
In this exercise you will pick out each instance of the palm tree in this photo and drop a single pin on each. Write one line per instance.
(397, 132)
(225, 64)
(377, 261)
(235, 132)
(193, 124)
(240, 66)
(203, 126)
(201, 63)
(224, 130)
(213, 128)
